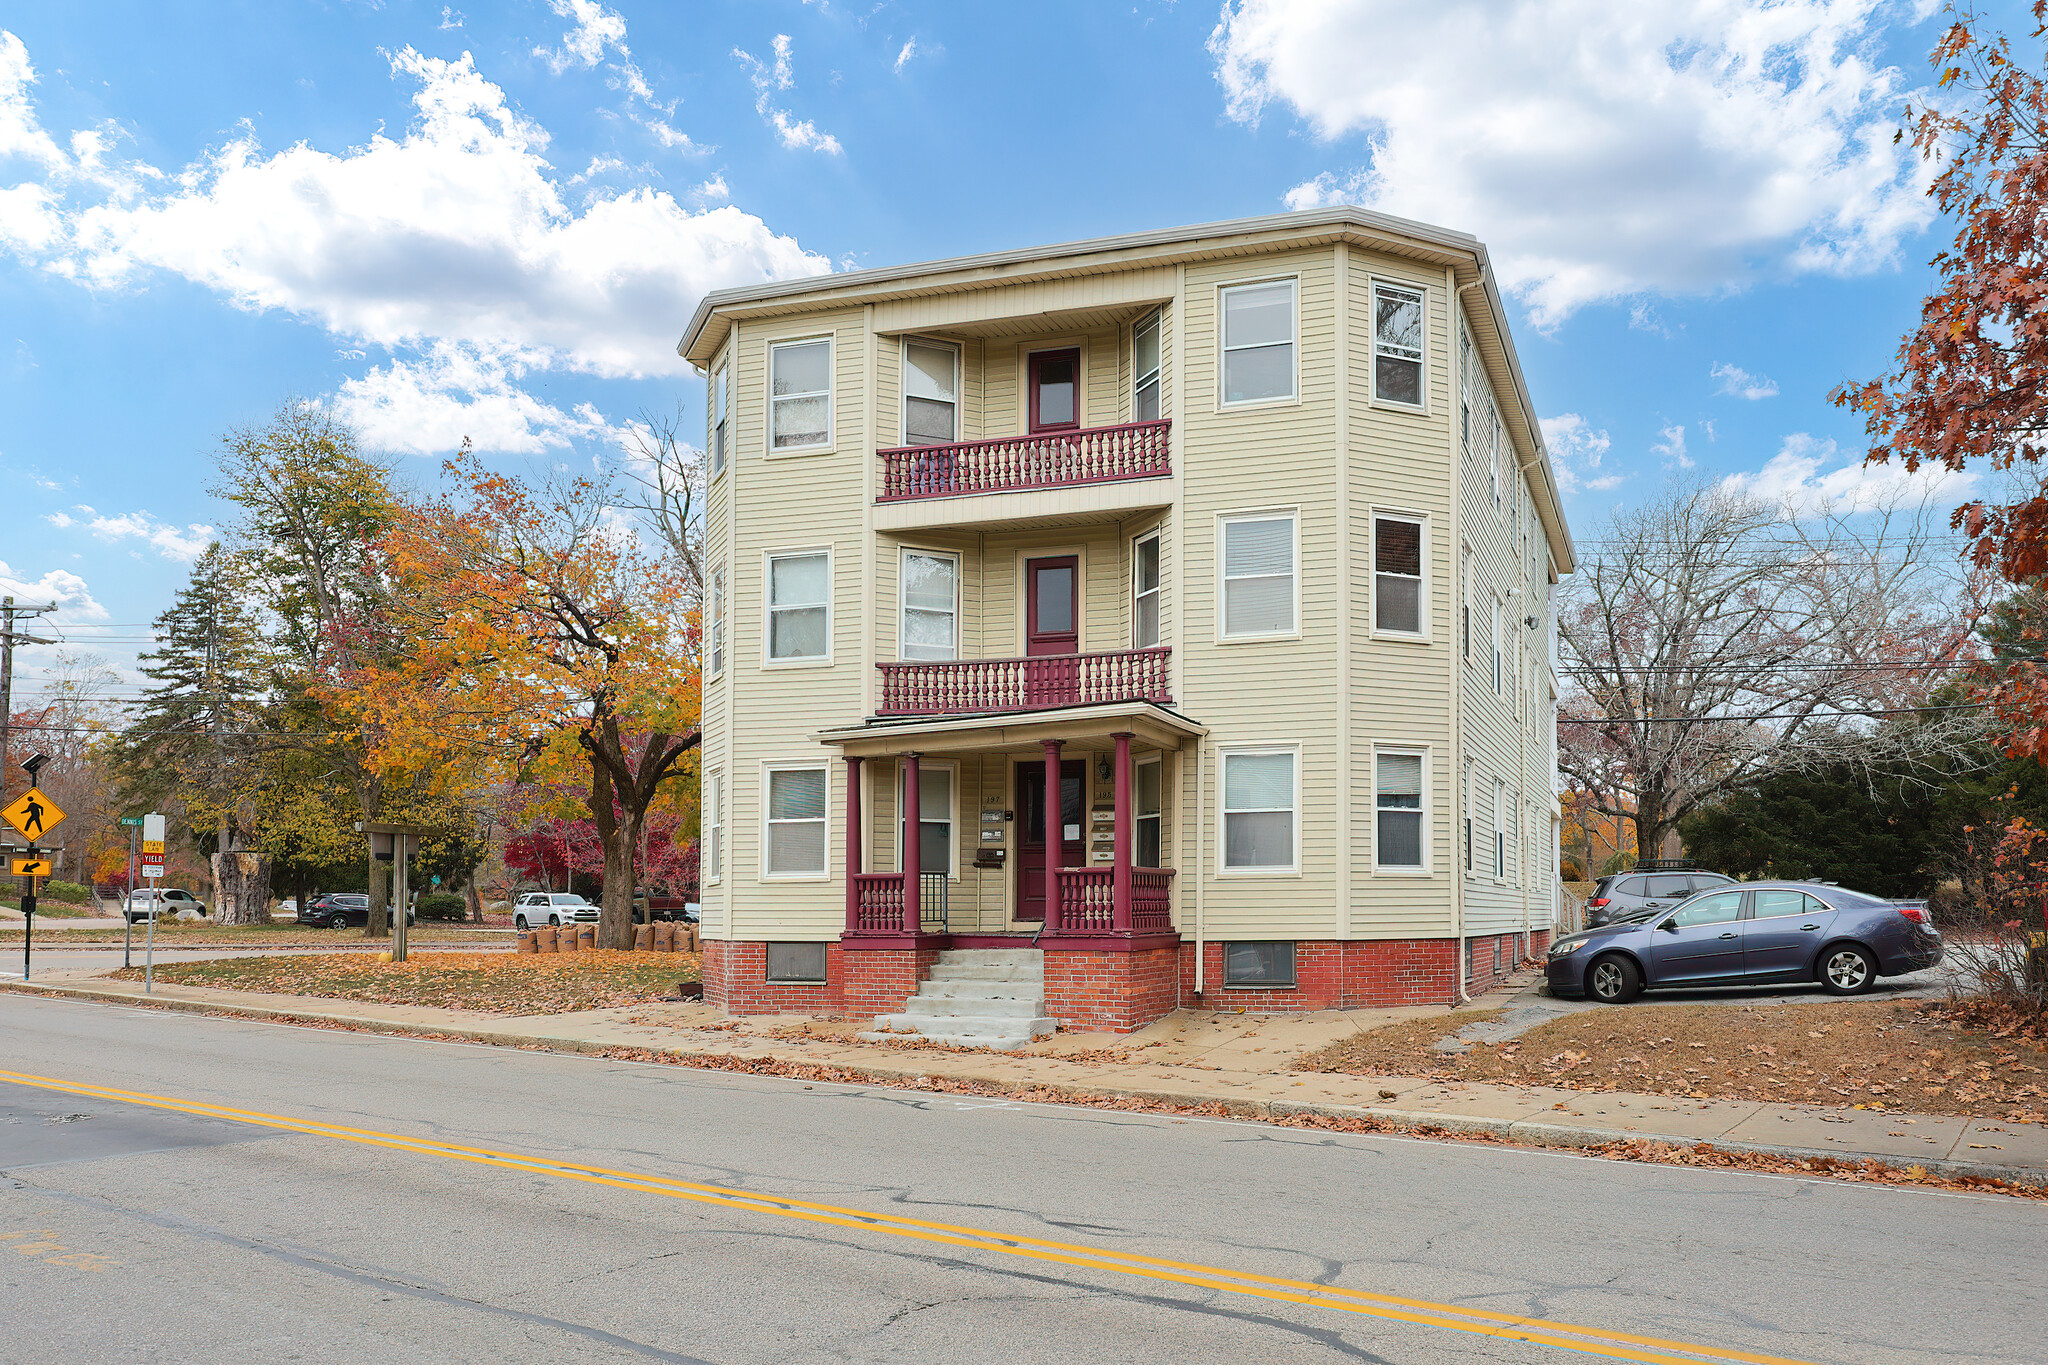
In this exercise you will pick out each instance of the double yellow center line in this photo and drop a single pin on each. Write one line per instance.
(1420, 1312)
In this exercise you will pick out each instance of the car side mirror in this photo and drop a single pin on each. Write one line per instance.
(1670, 926)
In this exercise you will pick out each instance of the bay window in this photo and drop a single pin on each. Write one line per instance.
(1145, 370)
(1258, 342)
(799, 607)
(1397, 345)
(800, 395)
(931, 605)
(1259, 803)
(1258, 576)
(795, 842)
(1397, 575)
(931, 394)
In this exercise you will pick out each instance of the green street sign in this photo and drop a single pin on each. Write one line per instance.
(131, 819)
(437, 879)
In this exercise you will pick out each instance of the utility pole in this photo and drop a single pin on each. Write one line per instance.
(8, 639)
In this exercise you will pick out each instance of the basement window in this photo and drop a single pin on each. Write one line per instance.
(1258, 964)
(796, 962)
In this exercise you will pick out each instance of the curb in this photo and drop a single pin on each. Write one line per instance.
(1525, 1132)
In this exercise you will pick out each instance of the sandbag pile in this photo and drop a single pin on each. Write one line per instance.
(663, 936)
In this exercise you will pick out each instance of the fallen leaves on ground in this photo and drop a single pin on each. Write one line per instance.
(1875, 1055)
(283, 934)
(501, 983)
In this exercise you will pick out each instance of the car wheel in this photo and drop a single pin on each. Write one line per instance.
(554, 921)
(1613, 980)
(1847, 970)
(519, 923)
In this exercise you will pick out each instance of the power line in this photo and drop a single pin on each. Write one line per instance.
(1828, 714)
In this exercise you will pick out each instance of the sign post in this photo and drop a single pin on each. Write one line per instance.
(152, 838)
(134, 823)
(35, 815)
(393, 843)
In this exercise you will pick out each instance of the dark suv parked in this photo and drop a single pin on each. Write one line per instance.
(1620, 897)
(340, 909)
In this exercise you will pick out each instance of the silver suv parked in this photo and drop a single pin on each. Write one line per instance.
(1651, 887)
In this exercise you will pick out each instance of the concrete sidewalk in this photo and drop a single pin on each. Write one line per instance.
(1188, 1058)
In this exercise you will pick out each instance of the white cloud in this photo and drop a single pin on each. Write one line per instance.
(183, 543)
(1810, 473)
(1601, 150)
(1672, 446)
(595, 29)
(457, 231)
(431, 404)
(451, 18)
(771, 78)
(1740, 383)
(903, 57)
(1576, 448)
(66, 590)
(714, 188)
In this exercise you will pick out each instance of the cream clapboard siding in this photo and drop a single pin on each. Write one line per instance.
(792, 502)
(1501, 735)
(1276, 691)
(715, 897)
(1399, 689)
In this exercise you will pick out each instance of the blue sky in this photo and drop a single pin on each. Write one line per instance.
(493, 220)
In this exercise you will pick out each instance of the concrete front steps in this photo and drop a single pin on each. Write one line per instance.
(975, 997)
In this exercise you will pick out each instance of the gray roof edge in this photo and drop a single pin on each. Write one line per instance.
(1342, 215)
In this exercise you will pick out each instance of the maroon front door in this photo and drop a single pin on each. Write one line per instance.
(1055, 390)
(1031, 878)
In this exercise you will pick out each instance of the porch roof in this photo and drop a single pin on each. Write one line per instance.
(1150, 723)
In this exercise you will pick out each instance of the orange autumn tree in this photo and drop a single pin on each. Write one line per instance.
(542, 634)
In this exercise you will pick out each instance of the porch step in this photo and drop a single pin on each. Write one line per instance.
(975, 997)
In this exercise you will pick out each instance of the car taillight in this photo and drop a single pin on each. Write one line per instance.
(1917, 913)
(1596, 903)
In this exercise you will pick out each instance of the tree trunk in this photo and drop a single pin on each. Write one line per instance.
(241, 887)
(615, 922)
(475, 899)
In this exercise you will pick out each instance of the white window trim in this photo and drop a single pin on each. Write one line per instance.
(1500, 834)
(924, 765)
(721, 395)
(830, 393)
(1379, 869)
(761, 860)
(1288, 400)
(1467, 628)
(1470, 854)
(1373, 376)
(1156, 319)
(768, 558)
(1158, 591)
(1422, 612)
(714, 823)
(1499, 643)
(1223, 519)
(1224, 752)
(903, 386)
(718, 639)
(1137, 763)
(903, 554)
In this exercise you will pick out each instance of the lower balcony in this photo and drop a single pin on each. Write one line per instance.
(983, 686)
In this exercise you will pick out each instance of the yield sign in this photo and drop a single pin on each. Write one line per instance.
(33, 813)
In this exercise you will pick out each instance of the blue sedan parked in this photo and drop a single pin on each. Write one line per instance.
(1760, 933)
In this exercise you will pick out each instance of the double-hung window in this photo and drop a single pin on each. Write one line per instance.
(1259, 800)
(715, 641)
(1149, 792)
(1470, 866)
(1145, 591)
(800, 395)
(1397, 575)
(1465, 619)
(721, 424)
(713, 849)
(934, 816)
(1397, 345)
(931, 394)
(1258, 576)
(1397, 832)
(1503, 460)
(1145, 370)
(799, 607)
(1496, 646)
(1500, 831)
(796, 821)
(1258, 342)
(931, 605)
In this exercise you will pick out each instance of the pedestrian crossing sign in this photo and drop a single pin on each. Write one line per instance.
(33, 813)
(31, 867)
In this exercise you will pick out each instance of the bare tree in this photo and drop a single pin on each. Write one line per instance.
(1713, 639)
(672, 477)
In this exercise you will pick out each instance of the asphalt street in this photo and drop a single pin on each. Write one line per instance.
(397, 1200)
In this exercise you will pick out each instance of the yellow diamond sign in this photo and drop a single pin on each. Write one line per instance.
(33, 813)
(31, 867)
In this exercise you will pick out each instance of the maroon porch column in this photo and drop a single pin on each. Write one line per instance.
(1120, 871)
(852, 843)
(1055, 835)
(913, 849)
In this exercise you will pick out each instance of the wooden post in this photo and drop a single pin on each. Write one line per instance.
(1120, 871)
(913, 849)
(1055, 835)
(853, 840)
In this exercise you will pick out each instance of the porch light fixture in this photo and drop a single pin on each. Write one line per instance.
(1103, 772)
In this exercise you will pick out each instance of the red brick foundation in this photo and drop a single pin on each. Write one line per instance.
(1333, 975)
(1111, 992)
(866, 982)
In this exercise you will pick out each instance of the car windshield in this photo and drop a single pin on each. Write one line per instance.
(568, 900)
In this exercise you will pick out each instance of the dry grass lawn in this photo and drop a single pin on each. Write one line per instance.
(283, 934)
(500, 983)
(1875, 1055)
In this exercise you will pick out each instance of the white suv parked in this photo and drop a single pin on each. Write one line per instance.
(551, 907)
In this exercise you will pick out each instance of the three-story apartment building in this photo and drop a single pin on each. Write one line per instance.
(1175, 604)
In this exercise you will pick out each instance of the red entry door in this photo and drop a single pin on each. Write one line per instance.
(1052, 605)
(1055, 390)
(1031, 878)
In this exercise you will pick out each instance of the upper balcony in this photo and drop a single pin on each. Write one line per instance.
(1070, 473)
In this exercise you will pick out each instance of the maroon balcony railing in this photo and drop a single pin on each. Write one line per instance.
(880, 902)
(976, 685)
(1087, 900)
(1007, 464)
